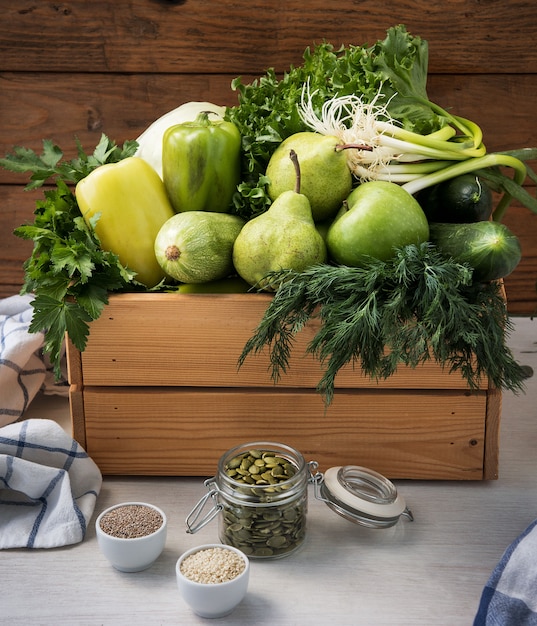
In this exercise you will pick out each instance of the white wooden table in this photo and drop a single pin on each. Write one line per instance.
(430, 572)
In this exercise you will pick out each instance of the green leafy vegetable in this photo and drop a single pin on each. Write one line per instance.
(417, 307)
(420, 306)
(68, 272)
(409, 139)
(49, 164)
(267, 112)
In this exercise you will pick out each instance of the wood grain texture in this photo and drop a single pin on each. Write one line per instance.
(79, 69)
(163, 367)
(182, 432)
(16, 208)
(76, 404)
(196, 340)
(74, 364)
(37, 106)
(492, 434)
(521, 285)
(142, 36)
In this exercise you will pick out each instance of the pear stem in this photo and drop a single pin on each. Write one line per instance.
(356, 146)
(294, 158)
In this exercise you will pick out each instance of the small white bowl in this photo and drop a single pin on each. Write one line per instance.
(213, 599)
(136, 553)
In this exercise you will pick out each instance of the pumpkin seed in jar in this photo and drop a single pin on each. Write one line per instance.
(254, 465)
(281, 527)
(275, 526)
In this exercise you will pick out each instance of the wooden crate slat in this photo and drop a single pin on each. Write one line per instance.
(404, 434)
(196, 340)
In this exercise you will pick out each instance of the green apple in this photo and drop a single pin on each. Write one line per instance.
(380, 217)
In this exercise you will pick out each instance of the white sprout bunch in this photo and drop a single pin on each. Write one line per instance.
(364, 125)
(378, 148)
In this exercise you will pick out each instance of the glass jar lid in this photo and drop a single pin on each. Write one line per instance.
(362, 496)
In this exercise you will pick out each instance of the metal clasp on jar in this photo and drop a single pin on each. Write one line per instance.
(195, 521)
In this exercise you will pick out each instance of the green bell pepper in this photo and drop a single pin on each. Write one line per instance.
(201, 164)
(126, 205)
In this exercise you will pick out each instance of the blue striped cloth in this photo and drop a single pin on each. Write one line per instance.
(23, 369)
(48, 486)
(510, 595)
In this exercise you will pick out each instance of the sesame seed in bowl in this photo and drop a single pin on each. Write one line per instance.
(213, 579)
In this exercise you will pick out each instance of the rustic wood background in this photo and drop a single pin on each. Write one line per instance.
(77, 69)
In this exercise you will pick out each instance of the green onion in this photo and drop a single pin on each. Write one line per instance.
(414, 160)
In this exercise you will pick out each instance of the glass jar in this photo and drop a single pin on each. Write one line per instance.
(260, 491)
(260, 494)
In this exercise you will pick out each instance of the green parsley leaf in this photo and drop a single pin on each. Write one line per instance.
(56, 318)
(68, 272)
(49, 164)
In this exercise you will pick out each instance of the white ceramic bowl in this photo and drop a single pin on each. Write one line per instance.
(132, 554)
(213, 599)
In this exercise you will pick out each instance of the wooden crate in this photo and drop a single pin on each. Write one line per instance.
(157, 391)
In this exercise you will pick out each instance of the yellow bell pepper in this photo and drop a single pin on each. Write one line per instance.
(129, 201)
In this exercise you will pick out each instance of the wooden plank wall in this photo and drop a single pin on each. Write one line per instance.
(82, 68)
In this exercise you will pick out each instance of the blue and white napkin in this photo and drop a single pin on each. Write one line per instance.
(23, 369)
(510, 595)
(48, 486)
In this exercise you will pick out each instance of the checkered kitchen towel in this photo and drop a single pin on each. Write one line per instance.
(23, 369)
(48, 486)
(510, 595)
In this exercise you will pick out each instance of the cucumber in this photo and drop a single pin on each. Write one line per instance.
(462, 199)
(490, 248)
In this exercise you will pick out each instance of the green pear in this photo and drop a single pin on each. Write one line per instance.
(284, 237)
(379, 217)
(326, 179)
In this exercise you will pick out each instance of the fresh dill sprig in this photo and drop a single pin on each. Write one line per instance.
(419, 306)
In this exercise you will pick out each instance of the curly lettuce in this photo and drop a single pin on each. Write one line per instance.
(267, 109)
